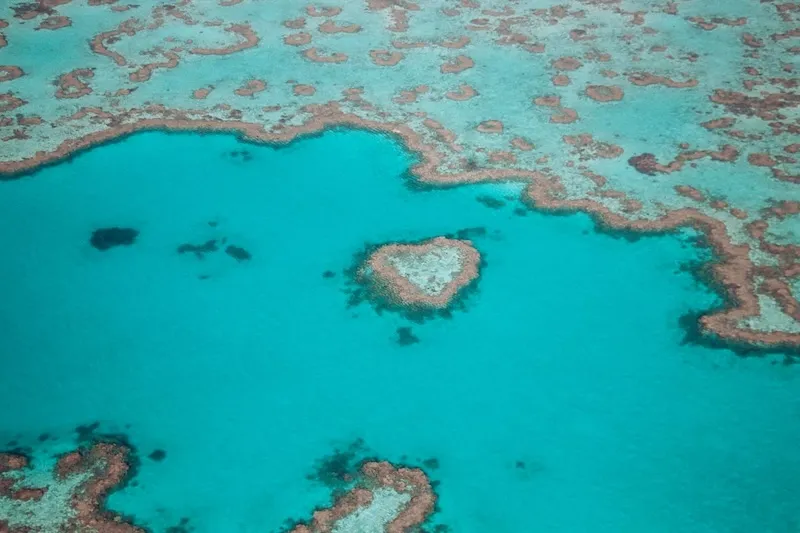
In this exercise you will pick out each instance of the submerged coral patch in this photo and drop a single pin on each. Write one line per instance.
(107, 238)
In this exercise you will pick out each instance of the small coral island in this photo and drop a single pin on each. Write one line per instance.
(70, 498)
(425, 275)
(386, 499)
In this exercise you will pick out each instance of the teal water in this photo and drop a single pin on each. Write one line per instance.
(567, 357)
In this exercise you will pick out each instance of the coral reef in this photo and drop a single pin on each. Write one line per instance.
(70, 498)
(428, 274)
(660, 99)
(385, 499)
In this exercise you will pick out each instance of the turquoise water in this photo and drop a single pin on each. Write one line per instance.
(567, 357)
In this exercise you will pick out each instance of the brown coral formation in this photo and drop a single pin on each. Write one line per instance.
(202, 94)
(464, 92)
(297, 39)
(457, 64)
(490, 126)
(83, 479)
(644, 79)
(428, 274)
(376, 477)
(144, 72)
(587, 148)
(605, 93)
(54, 23)
(719, 123)
(567, 63)
(10, 72)
(330, 26)
(251, 87)
(73, 84)
(300, 89)
(312, 54)
(9, 102)
(385, 58)
(564, 115)
(648, 164)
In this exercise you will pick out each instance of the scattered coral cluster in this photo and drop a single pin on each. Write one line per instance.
(70, 498)
(648, 114)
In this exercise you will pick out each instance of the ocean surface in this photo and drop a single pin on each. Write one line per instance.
(560, 398)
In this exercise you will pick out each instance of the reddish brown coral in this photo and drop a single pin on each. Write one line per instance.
(251, 87)
(105, 466)
(54, 23)
(10, 72)
(644, 79)
(566, 63)
(490, 126)
(312, 54)
(457, 64)
(587, 148)
(464, 92)
(72, 84)
(388, 282)
(385, 58)
(605, 93)
(374, 476)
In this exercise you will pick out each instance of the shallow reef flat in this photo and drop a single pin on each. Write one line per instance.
(649, 114)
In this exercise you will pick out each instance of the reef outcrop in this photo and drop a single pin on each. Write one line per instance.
(424, 275)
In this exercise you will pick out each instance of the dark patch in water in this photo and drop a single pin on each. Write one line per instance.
(199, 250)
(521, 212)
(339, 468)
(43, 437)
(439, 528)
(157, 455)
(405, 337)
(328, 274)
(245, 155)
(106, 238)
(519, 465)
(182, 527)
(490, 202)
(431, 463)
(85, 432)
(25, 451)
(614, 233)
(238, 253)
(468, 233)
(702, 272)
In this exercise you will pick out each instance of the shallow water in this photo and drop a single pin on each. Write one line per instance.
(567, 356)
